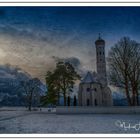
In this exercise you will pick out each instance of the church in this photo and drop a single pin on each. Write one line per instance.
(93, 89)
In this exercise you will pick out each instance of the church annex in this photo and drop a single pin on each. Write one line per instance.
(93, 89)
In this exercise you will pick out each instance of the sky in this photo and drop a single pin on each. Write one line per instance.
(34, 38)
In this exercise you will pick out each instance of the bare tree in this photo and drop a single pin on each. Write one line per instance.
(124, 60)
(30, 87)
(134, 71)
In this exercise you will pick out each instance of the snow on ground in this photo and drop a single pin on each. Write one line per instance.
(19, 120)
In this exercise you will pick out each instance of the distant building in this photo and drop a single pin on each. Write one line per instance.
(93, 89)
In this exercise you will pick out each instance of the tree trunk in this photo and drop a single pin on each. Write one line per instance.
(127, 92)
(68, 101)
(137, 97)
(134, 94)
(64, 99)
(29, 108)
(137, 94)
(133, 97)
(30, 102)
(58, 97)
(128, 97)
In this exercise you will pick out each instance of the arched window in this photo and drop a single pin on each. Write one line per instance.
(87, 102)
(95, 102)
(95, 89)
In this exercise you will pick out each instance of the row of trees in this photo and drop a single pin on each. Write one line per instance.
(69, 102)
(124, 68)
(59, 82)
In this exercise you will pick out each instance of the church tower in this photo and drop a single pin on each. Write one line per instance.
(100, 60)
(93, 88)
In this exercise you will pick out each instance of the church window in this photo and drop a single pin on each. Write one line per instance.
(103, 53)
(88, 89)
(95, 89)
(95, 102)
(100, 53)
(87, 102)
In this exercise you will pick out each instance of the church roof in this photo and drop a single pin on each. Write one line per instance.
(89, 78)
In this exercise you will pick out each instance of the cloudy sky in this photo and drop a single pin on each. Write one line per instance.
(34, 37)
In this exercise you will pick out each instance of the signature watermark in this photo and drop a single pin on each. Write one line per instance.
(127, 125)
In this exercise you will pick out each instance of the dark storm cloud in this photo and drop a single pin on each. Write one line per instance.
(73, 60)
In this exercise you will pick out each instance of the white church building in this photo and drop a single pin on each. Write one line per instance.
(93, 89)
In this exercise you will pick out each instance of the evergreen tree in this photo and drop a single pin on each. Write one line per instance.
(75, 101)
(68, 100)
